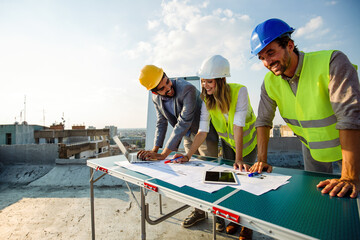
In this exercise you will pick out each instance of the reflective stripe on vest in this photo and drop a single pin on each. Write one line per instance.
(325, 144)
(226, 129)
(245, 133)
(309, 114)
(313, 123)
(316, 124)
(322, 144)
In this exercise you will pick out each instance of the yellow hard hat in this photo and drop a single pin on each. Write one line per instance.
(150, 76)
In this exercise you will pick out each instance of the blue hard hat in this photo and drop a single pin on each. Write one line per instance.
(266, 32)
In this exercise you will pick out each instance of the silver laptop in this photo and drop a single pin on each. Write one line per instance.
(131, 157)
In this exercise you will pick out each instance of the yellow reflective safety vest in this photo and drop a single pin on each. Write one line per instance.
(309, 114)
(225, 129)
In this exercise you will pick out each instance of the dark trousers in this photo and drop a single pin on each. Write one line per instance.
(229, 153)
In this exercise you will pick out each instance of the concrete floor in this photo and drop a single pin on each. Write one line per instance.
(29, 210)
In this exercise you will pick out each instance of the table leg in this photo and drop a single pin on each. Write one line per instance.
(214, 227)
(143, 212)
(92, 204)
(160, 203)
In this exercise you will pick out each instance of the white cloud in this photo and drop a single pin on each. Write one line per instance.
(331, 44)
(141, 49)
(257, 66)
(331, 3)
(153, 24)
(318, 34)
(186, 35)
(228, 13)
(245, 17)
(205, 4)
(312, 29)
(176, 13)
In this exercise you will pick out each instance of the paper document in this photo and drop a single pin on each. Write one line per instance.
(176, 174)
(191, 174)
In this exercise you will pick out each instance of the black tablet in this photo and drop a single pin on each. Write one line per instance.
(220, 177)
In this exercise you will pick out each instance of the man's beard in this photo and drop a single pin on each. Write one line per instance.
(166, 94)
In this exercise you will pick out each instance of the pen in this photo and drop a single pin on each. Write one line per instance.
(171, 160)
(253, 174)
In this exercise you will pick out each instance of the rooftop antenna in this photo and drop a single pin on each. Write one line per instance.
(63, 119)
(43, 117)
(25, 108)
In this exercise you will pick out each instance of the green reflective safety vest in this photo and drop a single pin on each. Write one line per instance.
(225, 129)
(309, 114)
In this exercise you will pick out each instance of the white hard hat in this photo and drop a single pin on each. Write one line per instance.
(214, 67)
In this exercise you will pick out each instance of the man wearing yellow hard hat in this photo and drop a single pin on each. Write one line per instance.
(176, 102)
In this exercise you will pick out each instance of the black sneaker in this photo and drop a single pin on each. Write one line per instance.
(220, 224)
(194, 217)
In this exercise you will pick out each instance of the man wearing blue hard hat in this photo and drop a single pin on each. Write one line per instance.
(318, 96)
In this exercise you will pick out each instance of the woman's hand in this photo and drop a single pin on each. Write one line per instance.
(260, 166)
(239, 165)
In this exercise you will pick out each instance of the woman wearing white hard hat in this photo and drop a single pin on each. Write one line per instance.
(227, 106)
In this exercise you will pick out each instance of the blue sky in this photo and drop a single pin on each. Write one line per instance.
(82, 59)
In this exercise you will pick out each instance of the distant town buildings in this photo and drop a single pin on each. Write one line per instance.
(113, 133)
(285, 131)
(134, 137)
(132, 132)
(281, 131)
(79, 144)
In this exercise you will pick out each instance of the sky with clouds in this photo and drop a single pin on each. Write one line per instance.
(81, 59)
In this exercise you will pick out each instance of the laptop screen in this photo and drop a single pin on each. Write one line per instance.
(121, 146)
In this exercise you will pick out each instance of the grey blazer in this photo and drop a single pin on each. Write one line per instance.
(187, 107)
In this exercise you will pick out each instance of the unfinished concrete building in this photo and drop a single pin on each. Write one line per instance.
(77, 143)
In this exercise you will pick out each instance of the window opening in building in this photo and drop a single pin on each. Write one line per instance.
(8, 139)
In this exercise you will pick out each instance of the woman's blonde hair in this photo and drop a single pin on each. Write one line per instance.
(221, 96)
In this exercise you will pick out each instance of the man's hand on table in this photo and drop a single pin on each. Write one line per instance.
(339, 187)
(150, 155)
